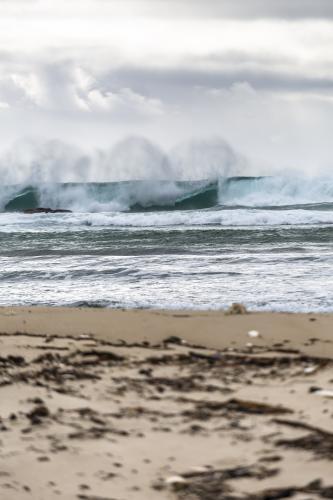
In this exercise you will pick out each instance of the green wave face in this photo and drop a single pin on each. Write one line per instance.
(205, 198)
(133, 196)
(27, 198)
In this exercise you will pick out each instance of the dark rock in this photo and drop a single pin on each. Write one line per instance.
(42, 210)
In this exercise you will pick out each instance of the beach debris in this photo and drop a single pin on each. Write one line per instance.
(254, 407)
(211, 358)
(12, 360)
(315, 488)
(200, 468)
(36, 401)
(209, 409)
(271, 459)
(314, 388)
(302, 425)
(174, 340)
(37, 415)
(253, 334)
(318, 441)
(212, 483)
(324, 393)
(308, 370)
(236, 308)
(321, 444)
(257, 471)
(175, 480)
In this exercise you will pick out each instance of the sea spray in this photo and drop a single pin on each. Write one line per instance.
(275, 191)
(207, 159)
(135, 158)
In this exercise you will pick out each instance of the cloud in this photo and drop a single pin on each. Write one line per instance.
(124, 101)
(21, 89)
(258, 72)
(176, 81)
(241, 9)
(68, 88)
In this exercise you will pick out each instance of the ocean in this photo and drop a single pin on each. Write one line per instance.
(266, 242)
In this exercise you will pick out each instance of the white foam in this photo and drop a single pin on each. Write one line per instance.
(276, 191)
(227, 218)
(250, 218)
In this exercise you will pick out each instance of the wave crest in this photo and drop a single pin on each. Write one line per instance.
(171, 195)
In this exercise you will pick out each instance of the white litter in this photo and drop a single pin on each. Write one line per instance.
(310, 369)
(324, 393)
(175, 480)
(253, 334)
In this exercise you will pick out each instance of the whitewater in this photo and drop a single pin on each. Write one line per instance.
(162, 240)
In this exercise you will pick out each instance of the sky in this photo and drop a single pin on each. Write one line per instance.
(257, 73)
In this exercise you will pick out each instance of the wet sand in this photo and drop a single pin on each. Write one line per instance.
(101, 404)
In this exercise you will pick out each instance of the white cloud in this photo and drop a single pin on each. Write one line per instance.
(30, 85)
(71, 89)
(19, 89)
(90, 97)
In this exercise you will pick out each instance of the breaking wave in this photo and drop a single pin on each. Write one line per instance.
(145, 195)
(114, 197)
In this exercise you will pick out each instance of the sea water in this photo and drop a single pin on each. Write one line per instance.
(264, 241)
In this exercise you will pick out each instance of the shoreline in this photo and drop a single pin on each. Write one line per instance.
(211, 329)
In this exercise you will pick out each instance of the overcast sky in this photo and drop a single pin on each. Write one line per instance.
(258, 73)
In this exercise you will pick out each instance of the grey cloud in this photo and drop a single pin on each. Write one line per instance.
(174, 83)
(243, 9)
(285, 9)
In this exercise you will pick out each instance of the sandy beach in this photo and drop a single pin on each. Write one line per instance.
(102, 404)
